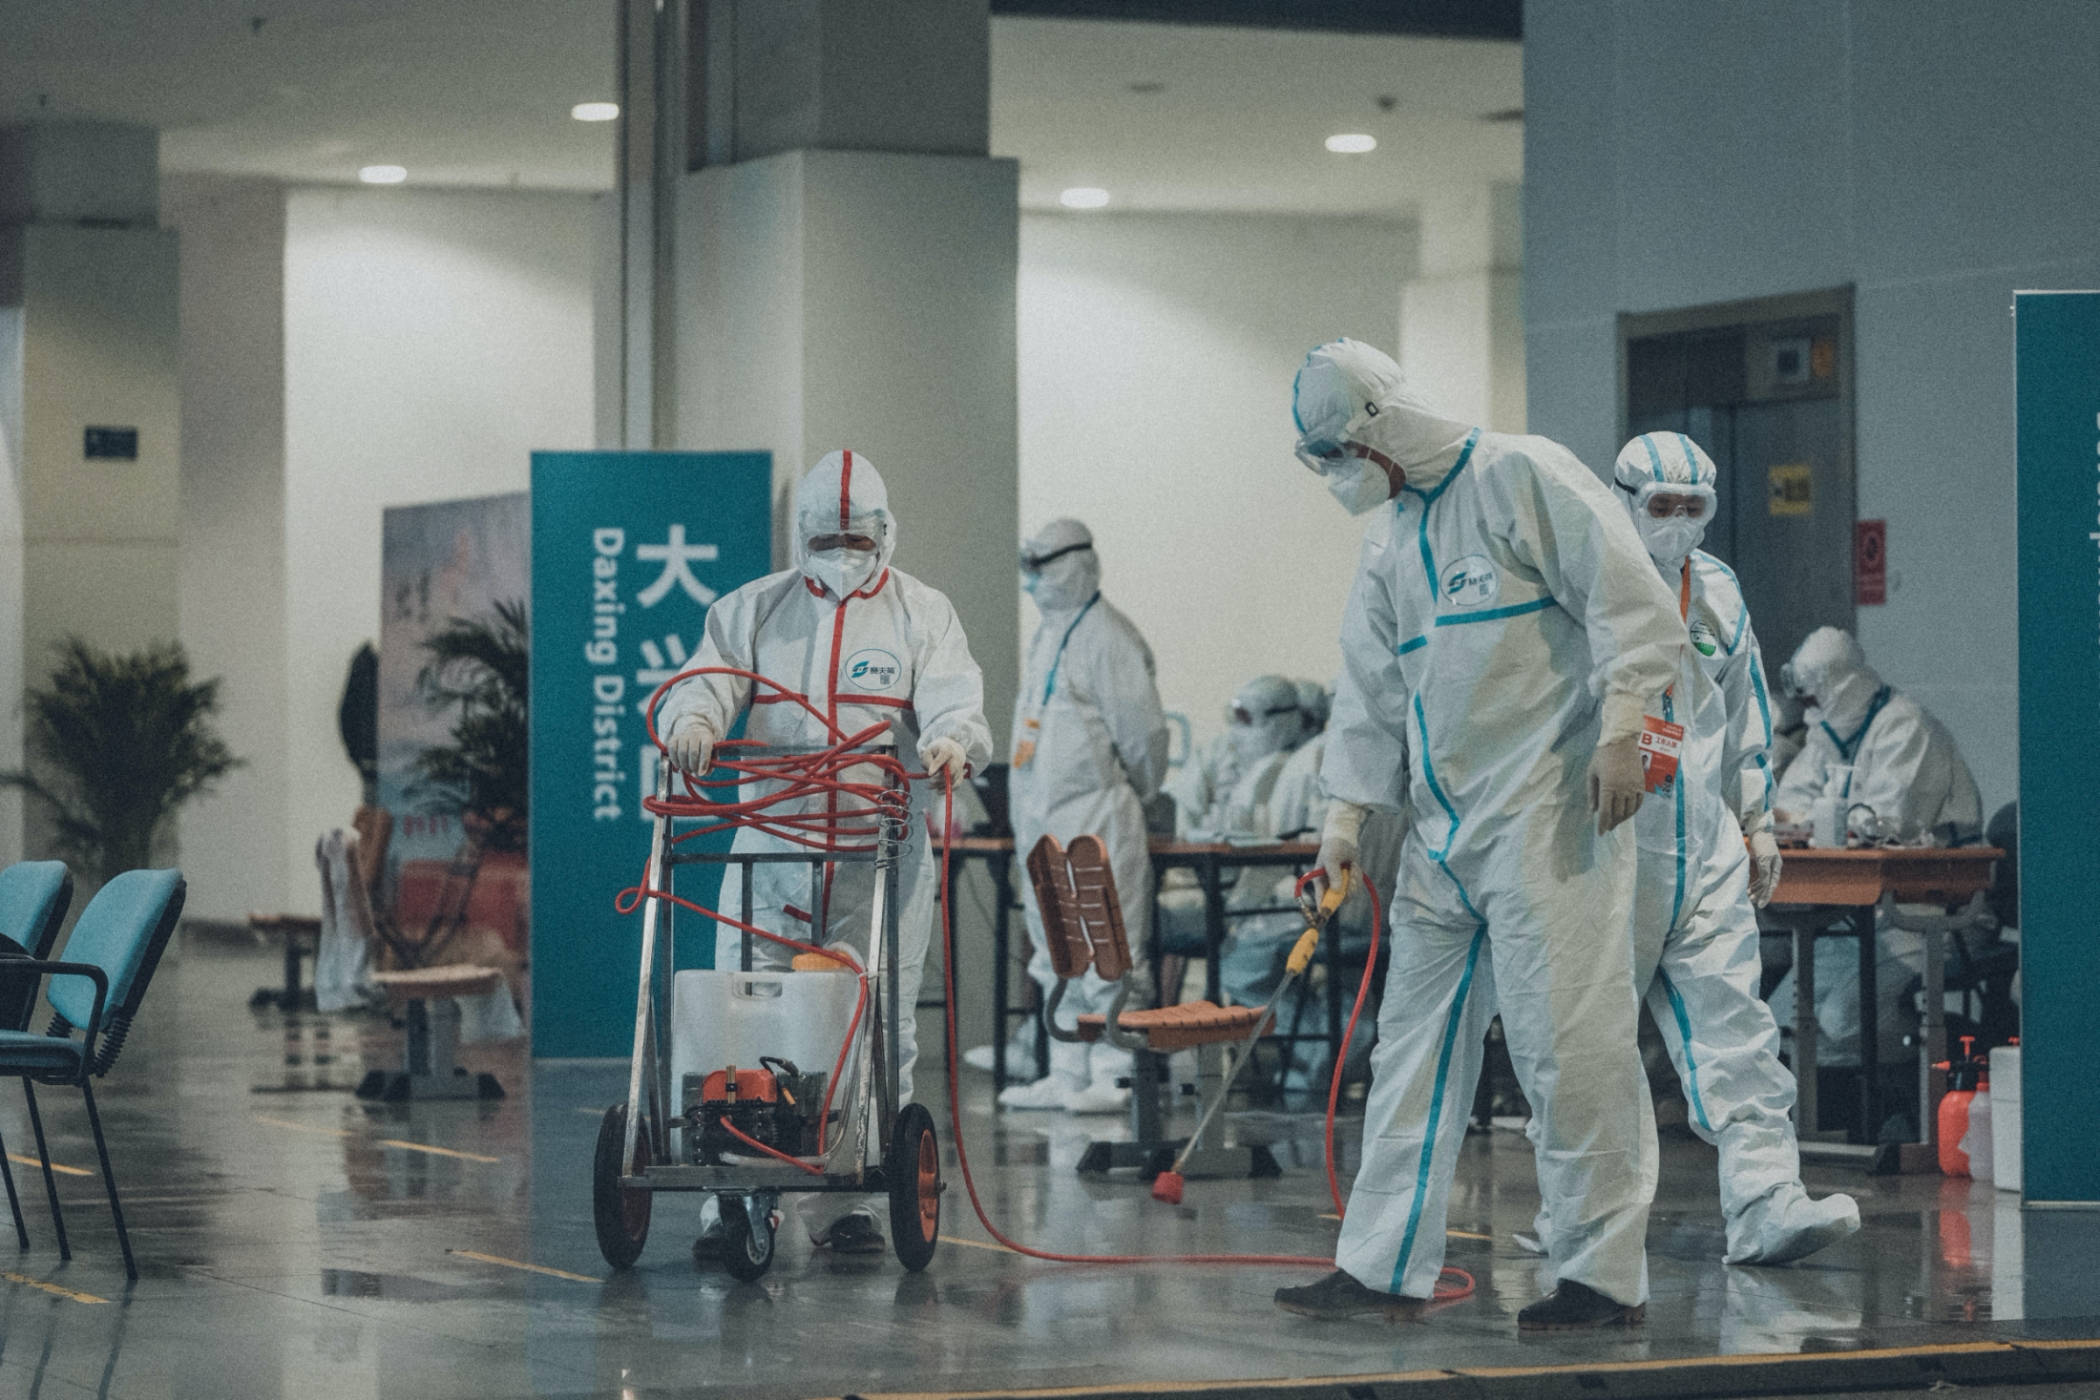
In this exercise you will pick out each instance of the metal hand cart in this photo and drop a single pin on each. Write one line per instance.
(888, 1149)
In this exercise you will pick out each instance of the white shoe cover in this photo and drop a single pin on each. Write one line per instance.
(1051, 1091)
(1786, 1225)
(1020, 1061)
(1098, 1095)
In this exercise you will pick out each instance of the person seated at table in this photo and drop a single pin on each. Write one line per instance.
(1255, 950)
(1902, 779)
(1224, 789)
(1227, 789)
(1895, 768)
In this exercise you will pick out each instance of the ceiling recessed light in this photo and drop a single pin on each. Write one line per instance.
(1352, 143)
(595, 111)
(383, 174)
(1083, 197)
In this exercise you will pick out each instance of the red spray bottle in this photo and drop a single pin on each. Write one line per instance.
(1964, 1076)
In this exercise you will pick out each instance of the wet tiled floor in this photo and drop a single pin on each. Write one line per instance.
(295, 1242)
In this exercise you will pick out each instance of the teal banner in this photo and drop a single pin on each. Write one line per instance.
(628, 551)
(2058, 379)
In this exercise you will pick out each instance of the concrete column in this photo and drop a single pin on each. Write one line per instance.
(1462, 317)
(88, 296)
(845, 264)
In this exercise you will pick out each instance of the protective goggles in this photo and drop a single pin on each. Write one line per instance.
(1240, 714)
(1792, 683)
(1321, 455)
(1690, 500)
(1034, 564)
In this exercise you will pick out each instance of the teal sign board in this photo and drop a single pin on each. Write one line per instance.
(2058, 379)
(628, 551)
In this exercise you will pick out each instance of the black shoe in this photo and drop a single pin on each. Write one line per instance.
(709, 1249)
(1573, 1305)
(855, 1234)
(1338, 1296)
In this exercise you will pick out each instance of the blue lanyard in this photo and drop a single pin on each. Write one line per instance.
(1050, 684)
(1846, 747)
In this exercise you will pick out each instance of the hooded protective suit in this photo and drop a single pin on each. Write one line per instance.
(1907, 770)
(1695, 934)
(1504, 622)
(1225, 787)
(1907, 780)
(890, 649)
(1089, 748)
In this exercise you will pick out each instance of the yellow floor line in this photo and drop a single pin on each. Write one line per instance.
(301, 1127)
(404, 1145)
(975, 1244)
(53, 1289)
(61, 1168)
(480, 1258)
(438, 1151)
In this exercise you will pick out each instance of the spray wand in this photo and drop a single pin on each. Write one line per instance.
(1168, 1185)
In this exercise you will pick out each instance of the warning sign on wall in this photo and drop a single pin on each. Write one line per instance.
(1870, 562)
(1793, 490)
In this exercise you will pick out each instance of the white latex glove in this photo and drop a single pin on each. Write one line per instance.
(1338, 852)
(691, 744)
(948, 754)
(1616, 782)
(1764, 867)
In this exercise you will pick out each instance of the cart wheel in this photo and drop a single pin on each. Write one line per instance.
(914, 1173)
(748, 1251)
(620, 1212)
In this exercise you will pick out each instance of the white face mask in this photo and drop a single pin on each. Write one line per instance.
(843, 571)
(1670, 539)
(1359, 484)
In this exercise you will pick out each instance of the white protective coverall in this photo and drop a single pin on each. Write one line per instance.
(1505, 621)
(1089, 749)
(1695, 936)
(1908, 772)
(893, 650)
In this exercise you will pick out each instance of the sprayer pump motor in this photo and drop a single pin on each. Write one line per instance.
(775, 1104)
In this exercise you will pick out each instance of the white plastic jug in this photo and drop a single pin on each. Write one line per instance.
(719, 1019)
(2005, 1117)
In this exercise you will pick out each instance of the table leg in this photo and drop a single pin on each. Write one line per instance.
(1869, 1031)
(1002, 954)
(1935, 1047)
(1213, 877)
(291, 971)
(1806, 1032)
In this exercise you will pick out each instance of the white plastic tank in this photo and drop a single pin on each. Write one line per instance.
(2005, 1117)
(719, 1019)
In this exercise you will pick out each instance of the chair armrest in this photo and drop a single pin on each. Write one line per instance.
(1116, 1037)
(1057, 996)
(72, 969)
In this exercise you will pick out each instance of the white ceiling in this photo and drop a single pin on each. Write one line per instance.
(1240, 116)
(477, 92)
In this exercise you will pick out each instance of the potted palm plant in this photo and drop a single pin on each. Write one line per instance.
(118, 742)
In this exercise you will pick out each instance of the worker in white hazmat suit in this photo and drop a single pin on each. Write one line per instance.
(1897, 775)
(1503, 641)
(1224, 789)
(864, 644)
(1089, 748)
(1695, 936)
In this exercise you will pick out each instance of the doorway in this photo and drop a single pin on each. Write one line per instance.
(1766, 388)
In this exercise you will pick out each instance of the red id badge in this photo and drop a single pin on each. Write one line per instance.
(1661, 743)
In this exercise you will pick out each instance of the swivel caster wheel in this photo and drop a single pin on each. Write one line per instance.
(747, 1252)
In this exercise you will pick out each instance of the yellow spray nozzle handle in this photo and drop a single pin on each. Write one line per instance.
(1302, 955)
(1309, 941)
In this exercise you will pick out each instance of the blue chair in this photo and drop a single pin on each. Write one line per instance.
(110, 959)
(34, 897)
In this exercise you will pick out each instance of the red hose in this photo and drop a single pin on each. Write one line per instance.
(822, 774)
(962, 1156)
